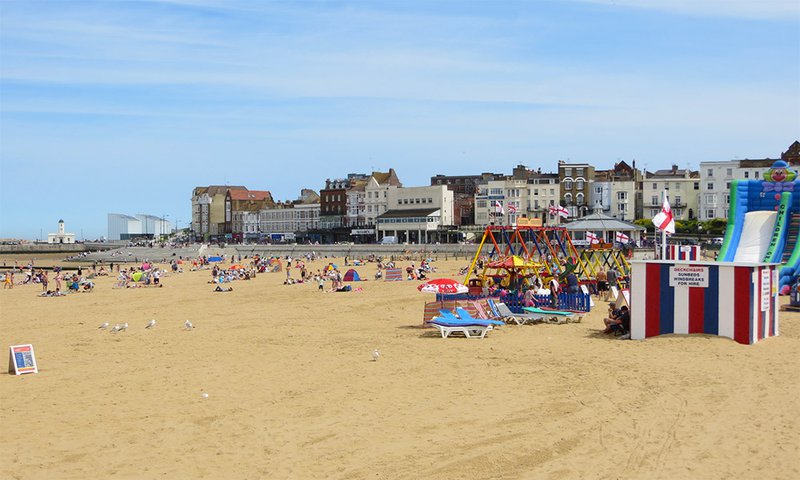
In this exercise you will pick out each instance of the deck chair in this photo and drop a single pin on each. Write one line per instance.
(447, 328)
(519, 318)
(450, 317)
(556, 316)
(506, 318)
(465, 316)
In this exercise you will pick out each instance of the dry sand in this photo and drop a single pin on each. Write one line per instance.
(293, 393)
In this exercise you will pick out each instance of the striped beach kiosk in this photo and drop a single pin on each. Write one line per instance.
(683, 252)
(734, 300)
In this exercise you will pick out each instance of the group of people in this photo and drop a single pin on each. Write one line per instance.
(618, 321)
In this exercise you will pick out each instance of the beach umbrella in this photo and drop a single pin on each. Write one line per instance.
(443, 285)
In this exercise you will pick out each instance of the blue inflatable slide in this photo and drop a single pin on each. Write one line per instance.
(764, 222)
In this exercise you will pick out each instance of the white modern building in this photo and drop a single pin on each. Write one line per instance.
(126, 227)
(60, 236)
(415, 214)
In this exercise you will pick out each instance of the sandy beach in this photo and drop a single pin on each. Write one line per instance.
(293, 391)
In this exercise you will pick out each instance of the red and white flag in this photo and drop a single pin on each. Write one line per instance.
(498, 207)
(512, 208)
(622, 238)
(563, 211)
(592, 237)
(664, 219)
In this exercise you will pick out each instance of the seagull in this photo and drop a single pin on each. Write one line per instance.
(151, 324)
(116, 328)
(124, 326)
(376, 355)
(188, 325)
(104, 326)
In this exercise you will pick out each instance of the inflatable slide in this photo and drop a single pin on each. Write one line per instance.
(764, 222)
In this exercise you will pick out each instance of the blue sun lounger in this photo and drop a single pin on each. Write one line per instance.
(465, 316)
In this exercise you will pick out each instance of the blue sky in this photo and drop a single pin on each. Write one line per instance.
(125, 106)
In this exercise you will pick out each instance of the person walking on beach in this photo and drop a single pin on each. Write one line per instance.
(8, 282)
(59, 277)
(612, 277)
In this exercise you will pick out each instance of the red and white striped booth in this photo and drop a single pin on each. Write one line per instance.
(683, 252)
(738, 301)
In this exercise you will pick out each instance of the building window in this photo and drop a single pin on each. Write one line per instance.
(568, 198)
(598, 190)
(729, 172)
(746, 174)
(755, 175)
(622, 195)
(710, 186)
(568, 184)
(677, 200)
(535, 192)
(728, 185)
(654, 200)
(655, 186)
(496, 191)
(579, 185)
(622, 207)
(710, 172)
(579, 199)
(430, 200)
(697, 185)
(709, 214)
(727, 199)
(579, 172)
(567, 171)
(710, 198)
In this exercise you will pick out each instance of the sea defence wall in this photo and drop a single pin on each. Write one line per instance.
(44, 248)
(733, 300)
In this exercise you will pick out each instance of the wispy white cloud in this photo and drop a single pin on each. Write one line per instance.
(784, 10)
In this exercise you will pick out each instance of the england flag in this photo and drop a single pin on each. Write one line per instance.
(664, 220)
(622, 238)
(592, 237)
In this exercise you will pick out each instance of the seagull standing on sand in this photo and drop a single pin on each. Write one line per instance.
(124, 326)
(151, 324)
(188, 325)
(376, 355)
(116, 328)
(104, 326)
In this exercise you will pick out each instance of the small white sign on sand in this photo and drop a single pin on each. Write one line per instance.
(21, 359)
(585, 290)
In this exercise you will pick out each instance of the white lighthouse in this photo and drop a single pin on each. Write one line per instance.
(61, 237)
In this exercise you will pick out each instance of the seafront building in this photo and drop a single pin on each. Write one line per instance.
(208, 210)
(364, 208)
(416, 214)
(61, 236)
(683, 187)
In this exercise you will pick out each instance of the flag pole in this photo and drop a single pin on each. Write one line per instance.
(664, 233)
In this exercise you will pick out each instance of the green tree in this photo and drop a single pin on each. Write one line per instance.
(646, 223)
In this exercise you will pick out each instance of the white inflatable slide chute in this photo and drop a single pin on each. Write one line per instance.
(756, 234)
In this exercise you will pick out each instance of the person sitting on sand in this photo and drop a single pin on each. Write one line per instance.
(613, 316)
(220, 289)
(621, 323)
